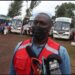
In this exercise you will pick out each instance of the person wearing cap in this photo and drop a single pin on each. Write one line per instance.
(40, 45)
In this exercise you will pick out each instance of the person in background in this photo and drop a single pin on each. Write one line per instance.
(40, 45)
(2, 27)
(25, 21)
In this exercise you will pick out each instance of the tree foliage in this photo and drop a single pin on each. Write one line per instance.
(33, 4)
(65, 10)
(15, 8)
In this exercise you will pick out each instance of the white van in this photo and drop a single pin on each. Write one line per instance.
(16, 25)
(63, 28)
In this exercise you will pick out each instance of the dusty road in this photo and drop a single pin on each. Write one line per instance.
(7, 45)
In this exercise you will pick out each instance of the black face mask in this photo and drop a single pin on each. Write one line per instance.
(39, 32)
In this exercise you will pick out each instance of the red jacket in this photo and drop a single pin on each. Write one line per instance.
(22, 61)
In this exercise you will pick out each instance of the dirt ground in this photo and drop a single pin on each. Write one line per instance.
(8, 43)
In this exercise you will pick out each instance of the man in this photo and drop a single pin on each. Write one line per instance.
(40, 45)
(25, 22)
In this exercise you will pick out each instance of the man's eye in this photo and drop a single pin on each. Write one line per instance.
(35, 22)
(42, 23)
(39, 22)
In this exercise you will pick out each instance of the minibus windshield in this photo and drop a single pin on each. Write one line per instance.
(61, 26)
(16, 22)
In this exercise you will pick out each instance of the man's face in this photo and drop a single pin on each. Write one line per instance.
(42, 21)
(41, 27)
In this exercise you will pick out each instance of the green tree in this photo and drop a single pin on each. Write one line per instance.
(33, 4)
(65, 10)
(15, 8)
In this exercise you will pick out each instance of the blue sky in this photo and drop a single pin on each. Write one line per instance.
(45, 6)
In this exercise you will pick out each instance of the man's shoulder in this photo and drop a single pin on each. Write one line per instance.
(54, 44)
(62, 51)
(22, 43)
(62, 48)
(17, 46)
(26, 41)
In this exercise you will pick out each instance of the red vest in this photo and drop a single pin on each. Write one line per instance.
(22, 61)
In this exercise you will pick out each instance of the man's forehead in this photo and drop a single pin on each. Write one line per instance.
(41, 16)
